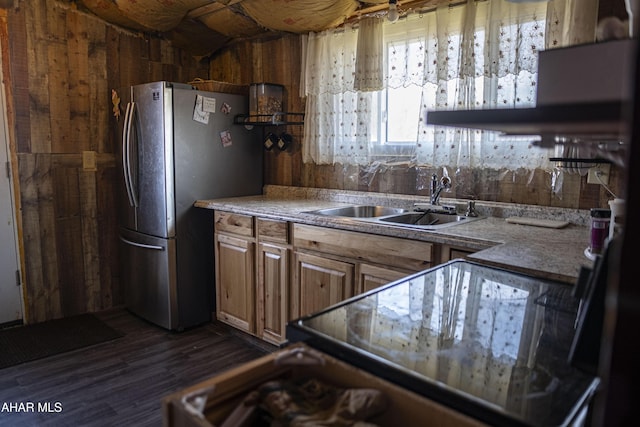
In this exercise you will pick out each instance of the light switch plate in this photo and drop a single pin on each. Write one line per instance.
(89, 162)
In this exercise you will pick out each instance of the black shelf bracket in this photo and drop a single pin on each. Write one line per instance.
(579, 160)
(275, 119)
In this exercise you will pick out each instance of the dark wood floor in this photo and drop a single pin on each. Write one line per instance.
(122, 382)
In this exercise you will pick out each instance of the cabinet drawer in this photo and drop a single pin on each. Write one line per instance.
(234, 223)
(412, 255)
(451, 252)
(371, 276)
(213, 401)
(273, 230)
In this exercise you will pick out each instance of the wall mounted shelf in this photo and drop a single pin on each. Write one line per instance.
(580, 160)
(594, 122)
(275, 119)
(603, 127)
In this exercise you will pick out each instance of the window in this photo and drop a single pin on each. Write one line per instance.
(480, 55)
(397, 109)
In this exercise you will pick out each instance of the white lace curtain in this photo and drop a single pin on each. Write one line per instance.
(478, 55)
(493, 65)
(336, 115)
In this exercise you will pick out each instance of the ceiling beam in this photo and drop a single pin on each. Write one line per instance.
(405, 5)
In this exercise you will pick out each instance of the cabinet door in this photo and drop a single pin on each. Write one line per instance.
(273, 284)
(371, 276)
(319, 283)
(235, 281)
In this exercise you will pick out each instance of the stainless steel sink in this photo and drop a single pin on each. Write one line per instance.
(360, 211)
(427, 220)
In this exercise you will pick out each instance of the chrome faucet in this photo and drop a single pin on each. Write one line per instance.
(436, 188)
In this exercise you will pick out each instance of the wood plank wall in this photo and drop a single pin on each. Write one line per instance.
(60, 65)
(278, 61)
(269, 61)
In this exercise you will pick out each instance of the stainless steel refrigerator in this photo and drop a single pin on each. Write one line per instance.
(177, 145)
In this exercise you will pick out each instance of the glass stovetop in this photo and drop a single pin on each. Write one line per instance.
(491, 343)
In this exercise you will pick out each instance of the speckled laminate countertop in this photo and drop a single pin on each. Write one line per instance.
(555, 254)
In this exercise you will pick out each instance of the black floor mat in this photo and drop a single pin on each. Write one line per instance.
(26, 343)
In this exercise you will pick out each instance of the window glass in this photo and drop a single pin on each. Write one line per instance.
(396, 111)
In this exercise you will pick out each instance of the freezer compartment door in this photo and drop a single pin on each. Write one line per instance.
(149, 277)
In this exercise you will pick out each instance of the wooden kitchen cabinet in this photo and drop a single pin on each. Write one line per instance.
(269, 271)
(235, 270)
(273, 280)
(252, 274)
(320, 282)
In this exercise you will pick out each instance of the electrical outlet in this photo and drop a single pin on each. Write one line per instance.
(599, 174)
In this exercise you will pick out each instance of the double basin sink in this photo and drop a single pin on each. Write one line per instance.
(429, 219)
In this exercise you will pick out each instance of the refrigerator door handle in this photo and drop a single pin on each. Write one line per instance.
(142, 245)
(126, 153)
(125, 156)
